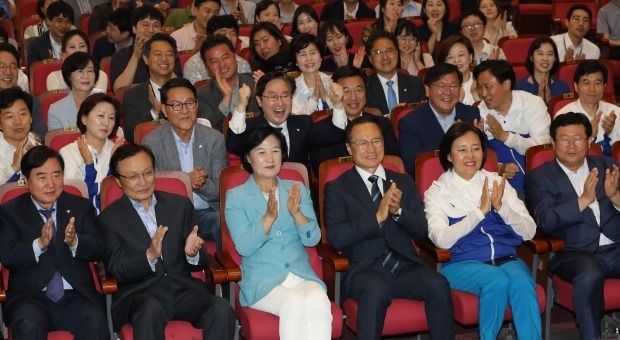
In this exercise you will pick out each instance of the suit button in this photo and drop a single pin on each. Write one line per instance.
(286, 265)
(307, 234)
(278, 233)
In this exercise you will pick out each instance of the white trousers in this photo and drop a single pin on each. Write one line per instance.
(303, 307)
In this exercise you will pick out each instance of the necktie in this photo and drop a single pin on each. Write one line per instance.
(391, 100)
(375, 193)
(55, 288)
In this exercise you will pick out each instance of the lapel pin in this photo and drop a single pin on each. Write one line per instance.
(200, 146)
(68, 211)
(297, 130)
(405, 89)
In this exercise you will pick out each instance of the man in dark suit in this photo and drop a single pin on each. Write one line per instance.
(182, 145)
(423, 129)
(575, 197)
(59, 18)
(346, 10)
(274, 93)
(151, 245)
(142, 102)
(327, 138)
(371, 215)
(47, 239)
(387, 87)
(220, 98)
(118, 34)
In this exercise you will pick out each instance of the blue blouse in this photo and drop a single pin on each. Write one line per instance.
(557, 87)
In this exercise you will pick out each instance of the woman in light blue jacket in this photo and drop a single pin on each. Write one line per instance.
(271, 221)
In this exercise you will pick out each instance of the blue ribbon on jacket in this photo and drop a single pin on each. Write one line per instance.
(492, 233)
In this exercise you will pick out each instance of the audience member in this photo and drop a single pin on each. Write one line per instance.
(182, 145)
(336, 41)
(473, 23)
(37, 30)
(242, 10)
(48, 45)
(423, 129)
(590, 81)
(101, 13)
(389, 15)
(269, 217)
(145, 224)
(387, 87)
(437, 25)
(575, 198)
(498, 24)
(412, 58)
(371, 216)
(47, 239)
(608, 24)
(458, 51)
(311, 87)
(573, 45)
(346, 10)
(287, 11)
(270, 49)
(191, 36)
(305, 20)
(411, 9)
(119, 34)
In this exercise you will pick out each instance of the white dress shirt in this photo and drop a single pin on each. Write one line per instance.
(563, 42)
(604, 107)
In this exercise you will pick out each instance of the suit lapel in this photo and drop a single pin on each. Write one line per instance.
(136, 226)
(200, 149)
(358, 189)
(375, 84)
(403, 92)
(170, 147)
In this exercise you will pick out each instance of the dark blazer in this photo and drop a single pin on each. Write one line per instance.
(420, 131)
(103, 48)
(40, 48)
(449, 28)
(121, 58)
(552, 202)
(136, 108)
(352, 225)
(299, 132)
(209, 99)
(328, 141)
(22, 223)
(410, 90)
(37, 126)
(127, 239)
(335, 10)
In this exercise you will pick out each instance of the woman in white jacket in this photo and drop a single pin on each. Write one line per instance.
(311, 87)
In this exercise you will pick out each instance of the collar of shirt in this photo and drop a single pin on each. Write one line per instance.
(56, 47)
(148, 217)
(470, 189)
(284, 127)
(411, 9)
(353, 13)
(39, 207)
(394, 86)
(117, 48)
(583, 170)
(444, 121)
(155, 89)
(365, 174)
(185, 151)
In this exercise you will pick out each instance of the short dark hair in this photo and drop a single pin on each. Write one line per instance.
(500, 69)
(576, 7)
(7, 47)
(407, 27)
(263, 5)
(472, 12)
(348, 131)
(570, 118)
(222, 21)
(254, 138)
(442, 69)
(121, 18)
(446, 17)
(588, 67)
(146, 12)
(9, 96)
(303, 40)
(348, 71)
(146, 49)
(262, 82)
(197, 3)
(59, 9)
(75, 62)
(380, 34)
(174, 83)
(36, 158)
(71, 34)
(446, 45)
(213, 41)
(303, 9)
(333, 26)
(88, 105)
(125, 151)
(529, 63)
(456, 131)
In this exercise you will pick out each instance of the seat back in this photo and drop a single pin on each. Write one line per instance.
(59, 138)
(119, 94)
(516, 48)
(356, 28)
(540, 154)
(83, 22)
(38, 74)
(144, 128)
(104, 65)
(318, 116)
(185, 55)
(93, 40)
(48, 98)
(399, 112)
(520, 70)
(318, 8)
(428, 168)
(245, 30)
(331, 169)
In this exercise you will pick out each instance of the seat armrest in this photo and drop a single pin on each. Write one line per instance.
(233, 270)
(108, 282)
(537, 244)
(215, 274)
(432, 255)
(2, 290)
(331, 257)
(555, 244)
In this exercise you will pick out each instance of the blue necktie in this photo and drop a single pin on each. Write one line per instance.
(55, 288)
(391, 99)
(375, 193)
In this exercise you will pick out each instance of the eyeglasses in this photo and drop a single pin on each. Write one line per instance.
(362, 145)
(4, 66)
(445, 88)
(578, 19)
(178, 106)
(577, 140)
(272, 98)
(378, 53)
(405, 39)
(472, 27)
(147, 175)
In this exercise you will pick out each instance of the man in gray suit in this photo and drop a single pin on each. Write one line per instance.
(181, 144)
(219, 99)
